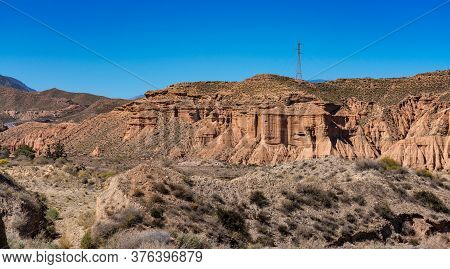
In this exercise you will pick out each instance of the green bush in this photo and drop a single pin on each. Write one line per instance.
(52, 214)
(258, 198)
(425, 173)
(390, 164)
(25, 150)
(88, 242)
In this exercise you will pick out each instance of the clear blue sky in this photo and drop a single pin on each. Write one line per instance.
(171, 41)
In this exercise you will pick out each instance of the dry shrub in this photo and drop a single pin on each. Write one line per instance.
(363, 165)
(181, 192)
(64, 242)
(258, 198)
(126, 218)
(86, 219)
(148, 239)
(263, 218)
(161, 188)
(428, 199)
(232, 221)
(266, 241)
(313, 196)
(157, 199)
(283, 230)
(191, 241)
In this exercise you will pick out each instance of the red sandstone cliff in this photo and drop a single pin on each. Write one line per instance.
(270, 119)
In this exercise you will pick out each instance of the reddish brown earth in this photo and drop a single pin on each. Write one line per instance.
(51, 105)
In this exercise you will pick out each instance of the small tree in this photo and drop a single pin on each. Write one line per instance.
(26, 151)
(56, 151)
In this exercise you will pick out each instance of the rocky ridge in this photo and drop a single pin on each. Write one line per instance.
(320, 203)
(269, 119)
(52, 105)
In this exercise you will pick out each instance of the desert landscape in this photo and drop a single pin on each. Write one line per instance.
(267, 162)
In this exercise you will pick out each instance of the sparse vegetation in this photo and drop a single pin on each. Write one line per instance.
(181, 192)
(55, 151)
(88, 242)
(64, 242)
(191, 241)
(232, 220)
(161, 188)
(363, 165)
(428, 199)
(86, 219)
(425, 173)
(313, 196)
(26, 151)
(390, 164)
(258, 198)
(52, 214)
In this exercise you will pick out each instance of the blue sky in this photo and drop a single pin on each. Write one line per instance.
(171, 41)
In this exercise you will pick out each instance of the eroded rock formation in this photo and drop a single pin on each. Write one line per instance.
(264, 121)
(270, 119)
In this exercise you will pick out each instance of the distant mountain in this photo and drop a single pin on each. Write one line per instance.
(138, 97)
(14, 84)
(52, 105)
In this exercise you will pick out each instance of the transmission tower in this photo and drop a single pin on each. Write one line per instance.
(299, 74)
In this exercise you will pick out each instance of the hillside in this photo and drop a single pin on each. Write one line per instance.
(327, 203)
(268, 119)
(268, 162)
(13, 83)
(52, 105)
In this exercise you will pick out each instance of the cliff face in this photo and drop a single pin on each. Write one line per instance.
(269, 119)
(271, 125)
